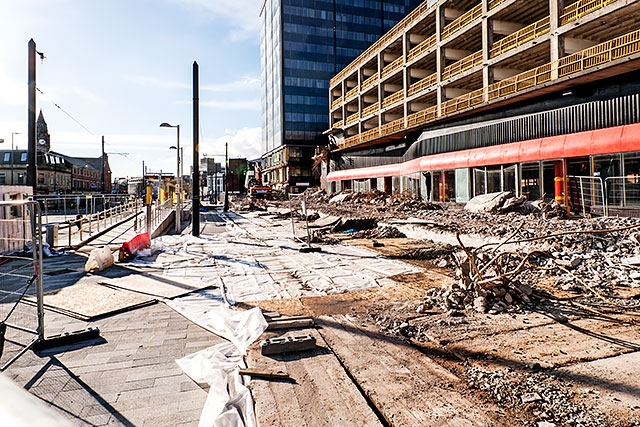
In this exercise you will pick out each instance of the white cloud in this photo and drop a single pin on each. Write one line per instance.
(241, 15)
(245, 142)
(245, 83)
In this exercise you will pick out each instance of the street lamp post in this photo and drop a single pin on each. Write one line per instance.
(12, 133)
(178, 176)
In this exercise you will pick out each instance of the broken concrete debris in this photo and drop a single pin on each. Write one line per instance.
(287, 344)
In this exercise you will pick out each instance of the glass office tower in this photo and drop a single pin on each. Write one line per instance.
(304, 43)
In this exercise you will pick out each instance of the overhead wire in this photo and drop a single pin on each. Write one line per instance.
(69, 115)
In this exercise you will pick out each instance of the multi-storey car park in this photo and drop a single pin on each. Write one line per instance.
(460, 98)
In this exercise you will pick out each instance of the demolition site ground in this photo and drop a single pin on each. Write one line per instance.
(521, 314)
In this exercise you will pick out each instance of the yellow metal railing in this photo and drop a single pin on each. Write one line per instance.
(423, 84)
(520, 37)
(422, 116)
(338, 124)
(352, 119)
(580, 8)
(495, 3)
(462, 102)
(370, 134)
(461, 21)
(620, 47)
(519, 82)
(336, 103)
(389, 69)
(370, 82)
(352, 140)
(416, 15)
(462, 65)
(393, 98)
(617, 48)
(352, 92)
(374, 108)
(391, 127)
(422, 47)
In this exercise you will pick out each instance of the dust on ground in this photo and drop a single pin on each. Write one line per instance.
(540, 294)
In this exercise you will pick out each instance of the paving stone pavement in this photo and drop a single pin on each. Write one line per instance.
(127, 377)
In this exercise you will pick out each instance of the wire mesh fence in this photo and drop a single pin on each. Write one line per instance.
(586, 194)
(21, 283)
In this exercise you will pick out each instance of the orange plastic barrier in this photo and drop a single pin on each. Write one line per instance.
(129, 249)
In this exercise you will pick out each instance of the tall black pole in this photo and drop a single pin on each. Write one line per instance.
(31, 118)
(225, 208)
(196, 158)
(102, 168)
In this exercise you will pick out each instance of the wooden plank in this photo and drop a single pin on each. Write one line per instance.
(319, 394)
(406, 386)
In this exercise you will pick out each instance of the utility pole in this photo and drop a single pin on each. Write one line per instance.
(31, 118)
(196, 158)
(225, 208)
(103, 171)
(12, 154)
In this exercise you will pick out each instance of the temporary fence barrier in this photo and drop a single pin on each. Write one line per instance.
(21, 281)
(586, 193)
(623, 191)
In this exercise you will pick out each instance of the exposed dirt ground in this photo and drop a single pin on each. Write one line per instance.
(528, 323)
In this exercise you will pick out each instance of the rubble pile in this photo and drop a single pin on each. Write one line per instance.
(382, 232)
(590, 257)
(549, 401)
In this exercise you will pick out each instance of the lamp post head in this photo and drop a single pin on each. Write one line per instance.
(167, 125)
(173, 147)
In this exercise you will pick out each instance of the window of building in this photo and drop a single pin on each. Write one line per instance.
(3, 178)
(23, 157)
(7, 157)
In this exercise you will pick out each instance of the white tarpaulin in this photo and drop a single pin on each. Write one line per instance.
(253, 259)
(229, 402)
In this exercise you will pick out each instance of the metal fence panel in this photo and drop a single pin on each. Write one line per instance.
(586, 194)
(21, 282)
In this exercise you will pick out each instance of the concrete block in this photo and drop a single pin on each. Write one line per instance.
(287, 344)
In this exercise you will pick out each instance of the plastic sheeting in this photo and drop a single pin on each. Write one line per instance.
(255, 258)
(229, 402)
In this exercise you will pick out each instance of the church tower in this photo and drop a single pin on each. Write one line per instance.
(43, 140)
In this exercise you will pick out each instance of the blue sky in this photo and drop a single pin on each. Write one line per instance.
(119, 68)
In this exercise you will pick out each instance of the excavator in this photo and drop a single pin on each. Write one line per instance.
(255, 186)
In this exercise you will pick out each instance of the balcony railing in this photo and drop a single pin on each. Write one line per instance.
(461, 21)
(338, 124)
(463, 102)
(371, 109)
(352, 119)
(392, 127)
(462, 65)
(423, 84)
(620, 47)
(422, 47)
(352, 92)
(581, 8)
(391, 68)
(392, 99)
(370, 82)
(520, 37)
(422, 116)
(495, 3)
(336, 103)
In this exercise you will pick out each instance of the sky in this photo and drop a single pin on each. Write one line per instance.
(120, 68)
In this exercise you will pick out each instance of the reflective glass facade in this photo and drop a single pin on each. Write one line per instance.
(304, 43)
